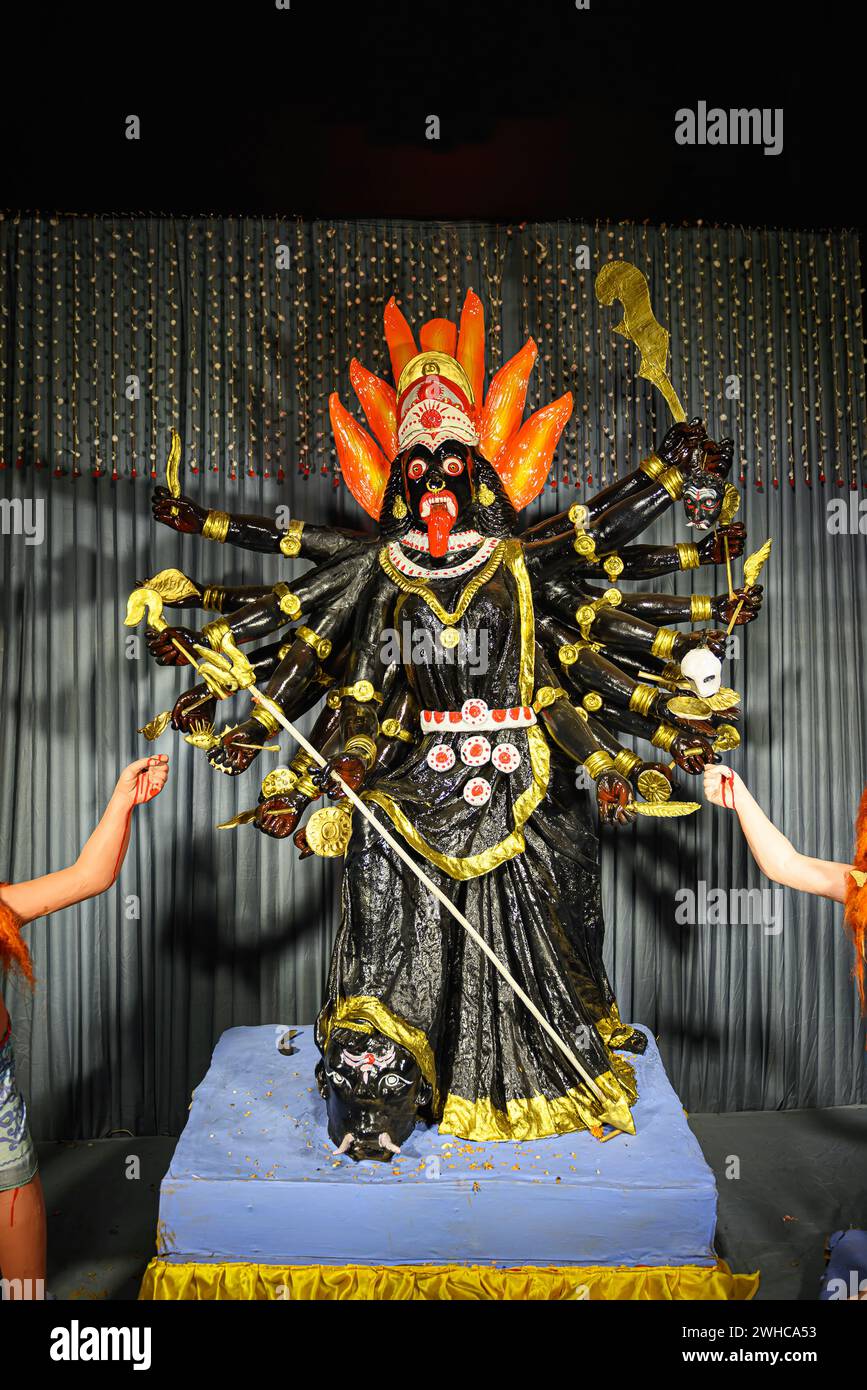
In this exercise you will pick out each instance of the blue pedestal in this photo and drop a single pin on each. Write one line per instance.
(254, 1180)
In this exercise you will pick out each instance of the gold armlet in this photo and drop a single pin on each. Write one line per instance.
(592, 701)
(290, 603)
(321, 645)
(626, 762)
(613, 566)
(546, 695)
(586, 615)
(304, 785)
(290, 541)
(360, 746)
(643, 698)
(700, 608)
(362, 691)
(672, 481)
(213, 598)
(391, 729)
(266, 719)
(663, 736)
(652, 466)
(687, 554)
(598, 763)
(216, 527)
(663, 643)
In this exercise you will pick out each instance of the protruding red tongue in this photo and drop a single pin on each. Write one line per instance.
(439, 524)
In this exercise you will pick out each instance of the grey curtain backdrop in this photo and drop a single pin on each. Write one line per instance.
(235, 331)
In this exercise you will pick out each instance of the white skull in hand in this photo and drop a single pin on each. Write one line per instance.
(703, 670)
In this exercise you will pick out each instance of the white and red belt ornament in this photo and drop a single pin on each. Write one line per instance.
(474, 716)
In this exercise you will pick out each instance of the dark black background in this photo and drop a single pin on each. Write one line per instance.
(546, 111)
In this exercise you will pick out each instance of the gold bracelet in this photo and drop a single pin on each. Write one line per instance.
(290, 603)
(643, 698)
(216, 527)
(663, 643)
(687, 554)
(362, 691)
(626, 762)
(290, 541)
(321, 645)
(547, 695)
(266, 719)
(592, 701)
(391, 729)
(652, 466)
(363, 747)
(215, 633)
(672, 481)
(213, 598)
(663, 736)
(598, 763)
(700, 608)
(305, 786)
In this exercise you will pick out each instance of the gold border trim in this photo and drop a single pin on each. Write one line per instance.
(363, 1011)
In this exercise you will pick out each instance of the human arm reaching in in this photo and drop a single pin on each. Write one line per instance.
(775, 855)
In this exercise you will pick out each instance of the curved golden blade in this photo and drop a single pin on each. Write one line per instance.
(623, 281)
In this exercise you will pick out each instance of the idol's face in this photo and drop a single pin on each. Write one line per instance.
(703, 495)
(438, 486)
(373, 1089)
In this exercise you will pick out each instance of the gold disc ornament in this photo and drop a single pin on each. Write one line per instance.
(450, 637)
(654, 785)
(328, 831)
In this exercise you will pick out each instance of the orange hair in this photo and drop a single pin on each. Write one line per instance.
(856, 903)
(14, 954)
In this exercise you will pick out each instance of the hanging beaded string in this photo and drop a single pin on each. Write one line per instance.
(737, 353)
(280, 290)
(783, 279)
(852, 301)
(702, 358)
(302, 372)
(96, 364)
(6, 386)
(215, 365)
(114, 437)
(336, 361)
(132, 263)
(752, 347)
(804, 368)
(195, 455)
(681, 293)
(631, 397)
(39, 341)
(19, 373)
(670, 319)
(817, 324)
(230, 356)
(609, 366)
(266, 352)
(174, 354)
(248, 328)
(834, 338)
(650, 270)
(584, 430)
(56, 438)
(597, 362)
(771, 380)
(154, 352)
(717, 308)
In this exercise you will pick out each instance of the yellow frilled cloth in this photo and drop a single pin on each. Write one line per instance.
(474, 1283)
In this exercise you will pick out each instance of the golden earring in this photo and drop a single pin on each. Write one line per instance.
(485, 495)
(398, 509)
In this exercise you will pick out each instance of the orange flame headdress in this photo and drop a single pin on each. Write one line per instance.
(439, 384)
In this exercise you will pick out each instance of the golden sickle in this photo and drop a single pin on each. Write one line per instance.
(173, 468)
(148, 601)
(623, 281)
(275, 710)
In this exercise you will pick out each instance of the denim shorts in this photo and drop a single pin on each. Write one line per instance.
(18, 1162)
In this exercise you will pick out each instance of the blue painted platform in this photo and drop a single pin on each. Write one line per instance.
(254, 1179)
